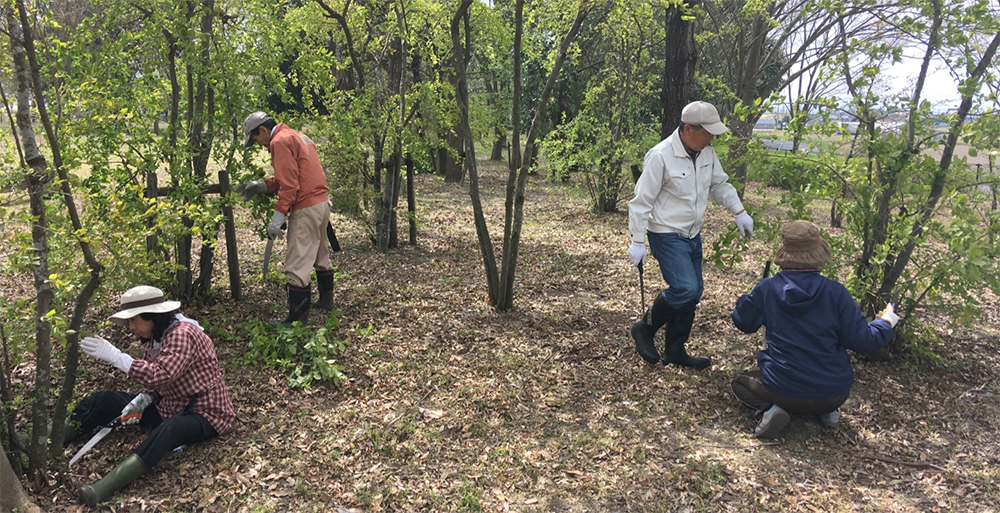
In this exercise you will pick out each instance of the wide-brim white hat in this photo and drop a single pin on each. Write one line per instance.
(142, 299)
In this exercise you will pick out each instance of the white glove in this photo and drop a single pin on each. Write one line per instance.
(138, 405)
(745, 224)
(106, 352)
(251, 189)
(274, 227)
(889, 314)
(637, 253)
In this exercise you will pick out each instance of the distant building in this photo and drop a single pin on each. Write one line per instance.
(766, 124)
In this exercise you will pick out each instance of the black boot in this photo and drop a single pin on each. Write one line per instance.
(676, 335)
(299, 301)
(127, 471)
(324, 284)
(69, 434)
(644, 330)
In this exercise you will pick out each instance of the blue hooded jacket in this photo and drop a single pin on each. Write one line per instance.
(811, 321)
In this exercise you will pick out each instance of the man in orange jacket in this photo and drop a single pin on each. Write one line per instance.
(302, 203)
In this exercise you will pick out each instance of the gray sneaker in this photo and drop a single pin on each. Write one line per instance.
(830, 420)
(771, 422)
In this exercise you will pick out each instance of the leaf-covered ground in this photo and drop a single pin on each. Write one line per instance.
(450, 406)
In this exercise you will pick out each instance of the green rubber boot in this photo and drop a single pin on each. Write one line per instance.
(122, 476)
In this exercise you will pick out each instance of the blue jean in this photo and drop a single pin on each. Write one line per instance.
(680, 262)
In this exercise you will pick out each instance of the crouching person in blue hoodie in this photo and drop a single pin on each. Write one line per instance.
(811, 323)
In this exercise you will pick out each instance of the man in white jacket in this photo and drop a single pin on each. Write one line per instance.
(678, 177)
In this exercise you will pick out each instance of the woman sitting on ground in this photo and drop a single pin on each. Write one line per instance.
(811, 323)
(184, 399)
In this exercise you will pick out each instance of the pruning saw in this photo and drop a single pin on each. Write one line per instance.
(103, 433)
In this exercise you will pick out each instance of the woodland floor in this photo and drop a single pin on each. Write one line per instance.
(450, 406)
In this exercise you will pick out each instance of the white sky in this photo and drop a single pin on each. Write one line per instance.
(941, 89)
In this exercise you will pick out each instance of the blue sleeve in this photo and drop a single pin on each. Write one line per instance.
(748, 316)
(857, 334)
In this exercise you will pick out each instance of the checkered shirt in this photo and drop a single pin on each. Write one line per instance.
(183, 370)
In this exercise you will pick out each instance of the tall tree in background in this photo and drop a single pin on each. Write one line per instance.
(679, 64)
(501, 285)
(744, 54)
(611, 128)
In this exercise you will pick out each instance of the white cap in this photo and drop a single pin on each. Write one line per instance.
(253, 122)
(704, 115)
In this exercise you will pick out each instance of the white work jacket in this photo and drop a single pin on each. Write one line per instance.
(672, 194)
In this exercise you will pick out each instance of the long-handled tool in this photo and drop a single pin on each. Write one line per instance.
(267, 252)
(642, 292)
(332, 237)
(103, 433)
(267, 255)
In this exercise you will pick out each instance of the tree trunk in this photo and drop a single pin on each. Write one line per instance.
(747, 92)
(462, 97)
(508, 270)
(942, 173)
(681, 57)
(499, 143)
(87, 291)
(388, 209)
(12, 496)
(202, 136)
(397, 165)
(37, 181)
(411, 200)
(452, 167)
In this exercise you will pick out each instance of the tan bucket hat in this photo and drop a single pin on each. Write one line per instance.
(802, 247)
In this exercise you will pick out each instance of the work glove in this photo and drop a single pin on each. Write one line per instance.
(274, 227)
(106, 352)
(637, 253)
(138, 405)
(745, 224)
(251, 189)
(889, 314)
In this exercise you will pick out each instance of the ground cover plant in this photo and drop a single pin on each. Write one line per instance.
(447, 405)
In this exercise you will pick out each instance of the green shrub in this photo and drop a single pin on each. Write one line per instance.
(303, 354)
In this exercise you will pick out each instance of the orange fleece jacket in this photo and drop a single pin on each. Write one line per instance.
(298, 179)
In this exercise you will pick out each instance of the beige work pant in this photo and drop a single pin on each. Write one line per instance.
(307, 244)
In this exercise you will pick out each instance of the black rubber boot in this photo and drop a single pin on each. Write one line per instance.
(676, 335)
(122, 475)
(69, 434)
(299, 302)
(324, 284)
(644, 330)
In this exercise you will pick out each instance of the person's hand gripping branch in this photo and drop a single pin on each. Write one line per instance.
(637, 253)
(889, 314)
(744, 223)
(250, 189)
